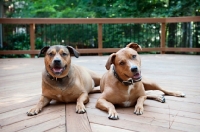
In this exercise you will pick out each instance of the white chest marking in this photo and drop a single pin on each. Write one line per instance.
(130, 87)
(126, 103)
(58, 95)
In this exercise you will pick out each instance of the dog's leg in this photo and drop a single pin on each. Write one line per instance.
(150, 85)
(155, 95)
(38, 108)
(80, 107)
(139, 106)
(109, 107)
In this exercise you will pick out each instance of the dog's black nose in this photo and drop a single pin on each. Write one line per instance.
(57, 61)
(134, 68)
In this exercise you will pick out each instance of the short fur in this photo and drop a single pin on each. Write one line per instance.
(127, 64)
(63, 81)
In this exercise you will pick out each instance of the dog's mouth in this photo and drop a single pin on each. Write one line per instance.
(58, 70)
(137, 76)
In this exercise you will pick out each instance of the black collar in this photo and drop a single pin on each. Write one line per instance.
(55, 78)
(128, 82)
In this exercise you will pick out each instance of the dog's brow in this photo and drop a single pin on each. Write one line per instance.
(62, 51)
(51, 51)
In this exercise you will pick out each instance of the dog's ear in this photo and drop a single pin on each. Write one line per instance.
(43, 50)
(73, 51)
(134, 46)
(110, 61)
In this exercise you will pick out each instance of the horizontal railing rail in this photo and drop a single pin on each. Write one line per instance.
(100, 21)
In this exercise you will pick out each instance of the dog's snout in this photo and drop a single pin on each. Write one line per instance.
(57, 61)
(134, 68)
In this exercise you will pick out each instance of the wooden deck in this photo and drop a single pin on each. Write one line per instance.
(20, 89)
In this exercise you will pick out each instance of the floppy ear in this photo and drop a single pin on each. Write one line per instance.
(110, 61)
(43, 50)
(134, 46)
(73, 51)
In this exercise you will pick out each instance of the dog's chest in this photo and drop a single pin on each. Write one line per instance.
(128, 96)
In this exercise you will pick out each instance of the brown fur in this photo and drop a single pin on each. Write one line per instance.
(115, 92)
(71, 85)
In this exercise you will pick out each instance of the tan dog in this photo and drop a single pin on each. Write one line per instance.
(123, 85)
(63, 81)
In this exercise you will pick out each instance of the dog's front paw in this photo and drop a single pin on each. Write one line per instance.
(80, 109)
(138, 110)
(161, 99)
(113, 115)
(33, 111)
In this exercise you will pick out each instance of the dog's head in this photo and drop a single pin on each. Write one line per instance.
(127, 62)
(58, 59)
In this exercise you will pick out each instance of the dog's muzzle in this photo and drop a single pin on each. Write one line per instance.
(136, 78)
(136, 74)
(57, 67)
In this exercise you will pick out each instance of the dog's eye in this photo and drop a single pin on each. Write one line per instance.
(64, 54)
(134, 56)
(50, 54)
(122, 63)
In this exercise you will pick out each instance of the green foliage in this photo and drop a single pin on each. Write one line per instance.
(103, 8)
(18, 41)
(115, 35)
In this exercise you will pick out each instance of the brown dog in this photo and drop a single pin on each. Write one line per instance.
(123, 85)
(63, 81)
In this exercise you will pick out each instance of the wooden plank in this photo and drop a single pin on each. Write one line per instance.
(38, 122)
(163, 34)
(182, 19)
(100, 37)
(174, 72)
(182, 49)
(162, 121)
(79, 20)
(76, 122)
(102, 128)
(187, 107)
(17, 106)
(32, 38)
(57, 122)
(61, 128)
(15, 116)
(185, 127)
(95, 20)
(128, 125)
(104, 50)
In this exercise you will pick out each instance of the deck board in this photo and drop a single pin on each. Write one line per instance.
(20, 89)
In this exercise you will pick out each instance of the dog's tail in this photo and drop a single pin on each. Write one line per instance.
(95, 90)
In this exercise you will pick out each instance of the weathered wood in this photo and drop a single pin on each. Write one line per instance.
(128, 125)
(163, 35)
(102, 128)
(20, 90)
(76, 122)
(32, 38)
(99, 21)
(104, 50)
(37, 123)
(95, 20)
(100, 37)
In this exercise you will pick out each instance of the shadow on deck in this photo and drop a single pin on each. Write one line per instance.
(20, 89)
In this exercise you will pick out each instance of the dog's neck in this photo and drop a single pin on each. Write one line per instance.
(127, 83)
(55, 78)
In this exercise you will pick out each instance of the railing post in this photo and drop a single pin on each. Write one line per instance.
(162, 42)
(100, 45)
(32, 38)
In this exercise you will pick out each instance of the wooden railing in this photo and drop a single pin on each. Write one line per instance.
(99, 21)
